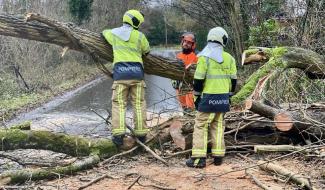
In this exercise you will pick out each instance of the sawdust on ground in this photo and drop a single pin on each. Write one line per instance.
(154, 175)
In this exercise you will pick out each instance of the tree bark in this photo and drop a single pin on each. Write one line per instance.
(278, 148)
(47, 30)
(50, 31)
(92, 149)
(280, 58)
(285, 120)
(68, 144)
(20, 176)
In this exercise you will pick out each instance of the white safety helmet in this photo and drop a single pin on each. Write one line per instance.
(218, 34)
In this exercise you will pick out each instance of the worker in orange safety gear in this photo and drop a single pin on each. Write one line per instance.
(186, 58)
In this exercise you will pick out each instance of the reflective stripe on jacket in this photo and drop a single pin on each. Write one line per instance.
(127, 61)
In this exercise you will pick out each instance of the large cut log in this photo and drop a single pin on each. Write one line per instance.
(93, 149)
(183, 141)
(285, 120)
(47, 30)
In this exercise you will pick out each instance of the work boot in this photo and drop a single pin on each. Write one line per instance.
(217, 161)
(118, 140)
(196, 162)
(142, 139)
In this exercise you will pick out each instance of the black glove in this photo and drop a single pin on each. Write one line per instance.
(197, 100)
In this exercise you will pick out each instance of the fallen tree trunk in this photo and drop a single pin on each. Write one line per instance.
(47, 30)
(68, 144)
(92, 149)
(20, 176)
(285, 120)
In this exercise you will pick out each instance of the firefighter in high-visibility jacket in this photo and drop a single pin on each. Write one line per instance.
(129, 45)
(214, 83)
(186, 58)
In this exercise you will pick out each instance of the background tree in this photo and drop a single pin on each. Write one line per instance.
(80, 9)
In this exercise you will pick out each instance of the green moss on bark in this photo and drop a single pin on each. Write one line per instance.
(275, 62)
(68, 144)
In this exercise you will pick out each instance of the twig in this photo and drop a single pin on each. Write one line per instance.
(245, 157)
(95, 180)
(189, 150)
(157, 186)
(258, 183)
(154, 185)
(117, 155)
(178, 153)
(239, 128)
(106, 120)
(136, 181)
(16, 187)
(146, 147)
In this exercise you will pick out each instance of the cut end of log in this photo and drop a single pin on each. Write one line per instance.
(175, 131)
(283, 121)
(254, 58)
(248, 104)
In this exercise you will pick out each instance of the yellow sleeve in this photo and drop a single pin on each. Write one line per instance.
(233, 69)
(107, 35)
(201, 68)
(145, 47)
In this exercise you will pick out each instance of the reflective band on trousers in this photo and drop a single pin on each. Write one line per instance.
(219, 150)
(201, 152)
(138, 106)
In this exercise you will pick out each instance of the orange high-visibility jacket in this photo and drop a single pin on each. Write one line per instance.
(187, 59)
(185, 97)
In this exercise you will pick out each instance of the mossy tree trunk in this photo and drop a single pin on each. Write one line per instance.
(93, 150)
(280, 58)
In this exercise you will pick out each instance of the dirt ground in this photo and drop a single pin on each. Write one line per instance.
(150, 174)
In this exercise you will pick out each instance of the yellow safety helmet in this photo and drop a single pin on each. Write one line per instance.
(218, 34)
(134, 18)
